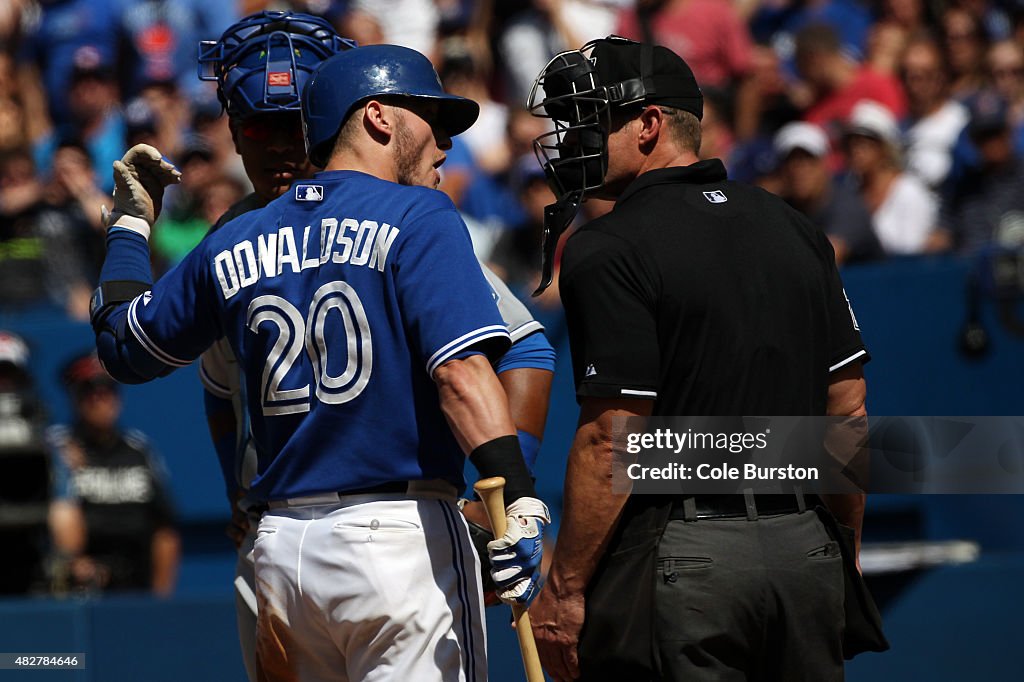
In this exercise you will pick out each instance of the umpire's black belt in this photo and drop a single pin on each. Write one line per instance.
(746, 505)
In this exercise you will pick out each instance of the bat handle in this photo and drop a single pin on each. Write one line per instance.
(491, 491)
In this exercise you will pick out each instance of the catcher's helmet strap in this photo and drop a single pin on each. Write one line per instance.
(557, 218)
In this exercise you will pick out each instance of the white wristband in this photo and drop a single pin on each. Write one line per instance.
(132, 223)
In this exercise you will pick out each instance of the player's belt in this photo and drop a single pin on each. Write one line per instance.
(750, 506)
(433, 486)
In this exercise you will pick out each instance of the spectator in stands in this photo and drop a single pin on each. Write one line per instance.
(986, 205)
(966, 42)
(160, 37)
(24, 471)
(779, 23)
(935, 119)
(94, 117)
(474, 173)
(836, 208)
(42, 233)
(530, 36)
(898, 22)
(516, 255)
(709, 34)
(838, 83)
(903, 209)
(63, 34)
(73, 196)
(110, 520)
(183, 222)
(410, 23)
(1006, 70)
(13, 126)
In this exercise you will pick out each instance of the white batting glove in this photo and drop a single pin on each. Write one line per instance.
(139, 180)
(515, 556)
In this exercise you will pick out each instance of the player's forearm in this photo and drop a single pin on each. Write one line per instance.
(166, 551)
(221, 422)
(528, 391)
(127, 262)
(473, 402)
(590, 510)
(847, 397)
(67, 528)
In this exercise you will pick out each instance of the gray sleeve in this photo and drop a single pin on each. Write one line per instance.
(518, 320)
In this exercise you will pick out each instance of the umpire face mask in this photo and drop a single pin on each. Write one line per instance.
(578, 94)
(574, 154)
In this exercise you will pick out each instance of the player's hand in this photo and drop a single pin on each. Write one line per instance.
(139, 180)
(557, 619)
(516, 556)
(238, 527)
(480, 533)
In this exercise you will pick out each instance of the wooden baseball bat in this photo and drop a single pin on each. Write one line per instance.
(491, 491)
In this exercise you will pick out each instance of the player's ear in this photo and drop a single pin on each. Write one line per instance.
(379, 120)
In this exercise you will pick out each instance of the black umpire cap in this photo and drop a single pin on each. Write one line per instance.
(666, 79)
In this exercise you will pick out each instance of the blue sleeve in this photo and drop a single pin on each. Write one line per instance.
(161, 329)
(447, 305)
(225, 446)
(531, 352)
(530, 445)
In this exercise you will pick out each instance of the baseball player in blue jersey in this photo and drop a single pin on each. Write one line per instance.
(260, 65)
(366, 373)
(246, 62)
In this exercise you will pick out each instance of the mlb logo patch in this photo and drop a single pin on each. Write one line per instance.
(280, 79)
(309, 192)
(716, 197)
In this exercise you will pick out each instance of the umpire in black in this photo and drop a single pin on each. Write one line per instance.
(693, 296)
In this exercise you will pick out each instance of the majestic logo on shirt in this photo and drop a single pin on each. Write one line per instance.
(309, 192)
(591, 372)
(147, 297)
(716, 197)
(282, 79)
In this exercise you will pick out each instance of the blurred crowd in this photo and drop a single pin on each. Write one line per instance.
(897, 126)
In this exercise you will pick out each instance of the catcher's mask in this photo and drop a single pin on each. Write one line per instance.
(262, 62)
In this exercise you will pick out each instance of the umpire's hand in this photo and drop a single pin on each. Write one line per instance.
(557, 617)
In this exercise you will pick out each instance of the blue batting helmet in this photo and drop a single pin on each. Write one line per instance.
(347, 79)
(262, 62)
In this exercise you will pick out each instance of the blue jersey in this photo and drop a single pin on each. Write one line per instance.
(339, 299)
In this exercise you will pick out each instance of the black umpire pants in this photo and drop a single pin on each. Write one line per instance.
(740, 600)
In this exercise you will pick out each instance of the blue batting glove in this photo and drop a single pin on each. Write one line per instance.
(515, 556)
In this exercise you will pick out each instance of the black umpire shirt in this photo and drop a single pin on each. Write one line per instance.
(708, 296)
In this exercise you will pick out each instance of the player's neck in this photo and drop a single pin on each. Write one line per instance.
(375, 161)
